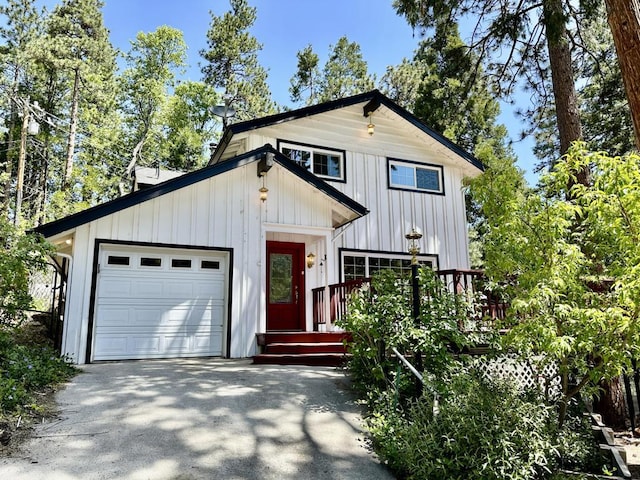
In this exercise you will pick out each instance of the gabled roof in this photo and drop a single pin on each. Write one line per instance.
(67, 223)
(373, 98)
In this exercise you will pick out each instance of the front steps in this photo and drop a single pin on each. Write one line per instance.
(302, 348)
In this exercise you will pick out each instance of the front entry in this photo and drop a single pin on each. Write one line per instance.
(285, 286)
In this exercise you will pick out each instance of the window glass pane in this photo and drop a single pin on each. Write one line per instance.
(150, 262)
(280, 278)
(402, 175)
(180, 263)
(428, 179)
(301, 157)
(326, 164)
(209, 264)
(117, 260)
(354, 267)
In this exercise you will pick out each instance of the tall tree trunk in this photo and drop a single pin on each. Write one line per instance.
(6, 201)
(624, 20)
(71, 143)
(611, 403)
(562, 79)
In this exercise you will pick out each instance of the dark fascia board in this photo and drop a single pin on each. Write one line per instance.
(67, 223)
(374, 98)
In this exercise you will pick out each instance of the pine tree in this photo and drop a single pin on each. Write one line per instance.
(77, 43)
(232, 63)
(19, 29)
(345, 72)
(307, 78)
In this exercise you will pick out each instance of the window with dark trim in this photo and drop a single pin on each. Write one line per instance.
(419, 177)
(210, 264)
(323, 162)
(118, 260)
(357, 264)
(150, 262)
(180, 263)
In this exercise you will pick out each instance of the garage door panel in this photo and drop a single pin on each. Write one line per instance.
(116, 287)
(149, 312)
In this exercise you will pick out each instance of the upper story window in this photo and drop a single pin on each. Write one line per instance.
(322, 162)
(420, 177)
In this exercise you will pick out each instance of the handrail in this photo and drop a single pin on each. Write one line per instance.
(436, 396)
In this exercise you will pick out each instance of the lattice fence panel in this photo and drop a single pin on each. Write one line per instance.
(535, 373)
(41, 285)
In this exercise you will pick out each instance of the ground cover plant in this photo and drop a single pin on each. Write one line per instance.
(29, 366)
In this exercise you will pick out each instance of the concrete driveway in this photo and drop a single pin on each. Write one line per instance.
(200, 419)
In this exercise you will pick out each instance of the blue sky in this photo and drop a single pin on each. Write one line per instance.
(285, 27)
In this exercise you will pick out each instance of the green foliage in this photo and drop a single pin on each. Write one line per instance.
(401, 83)
(20, 255)
(232, 62)
(570, 261)
(152, 64)
(345, 72)
(482, 430)
(306, 78)
(381, 317)
(189, 125)
(600, 83)
(26, 369)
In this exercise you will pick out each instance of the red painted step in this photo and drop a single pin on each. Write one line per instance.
(302, 348)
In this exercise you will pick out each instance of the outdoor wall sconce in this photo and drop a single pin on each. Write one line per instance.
(264, 165)
(263, 191)
(371, 126)
(311, 260)
(414, 247)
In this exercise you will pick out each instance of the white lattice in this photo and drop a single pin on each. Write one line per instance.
(534, 373)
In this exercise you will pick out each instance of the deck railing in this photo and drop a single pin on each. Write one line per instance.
(330, 303)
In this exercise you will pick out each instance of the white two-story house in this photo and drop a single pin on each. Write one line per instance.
(201, 264)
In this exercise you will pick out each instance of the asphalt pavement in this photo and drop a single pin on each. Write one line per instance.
(191, 419)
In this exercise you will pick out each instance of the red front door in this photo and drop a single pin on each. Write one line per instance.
(285, 286)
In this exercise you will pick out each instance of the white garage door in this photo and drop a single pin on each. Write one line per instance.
(156, 302)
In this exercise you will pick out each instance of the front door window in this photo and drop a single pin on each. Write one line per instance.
(281, 278)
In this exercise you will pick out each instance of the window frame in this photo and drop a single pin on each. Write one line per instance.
(318, 149)
(415, 165)
(368, 254)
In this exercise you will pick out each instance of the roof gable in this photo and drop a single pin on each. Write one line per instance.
(374, 99)
(72, 221)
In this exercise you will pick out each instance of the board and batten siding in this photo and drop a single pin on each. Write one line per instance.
(393, 213)
(222, 212)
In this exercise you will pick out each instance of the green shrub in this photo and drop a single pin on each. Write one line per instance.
(381, 317)
(20, 254)
(26, 369)
(482, 431)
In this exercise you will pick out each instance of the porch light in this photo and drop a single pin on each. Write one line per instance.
(311, 260)
(371, 126)
(263, 190)
(414, 247)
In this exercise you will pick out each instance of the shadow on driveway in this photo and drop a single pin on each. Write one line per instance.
(200, 419)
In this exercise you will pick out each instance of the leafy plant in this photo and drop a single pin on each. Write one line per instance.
(381, 318)
(25, 369)
(19, 255)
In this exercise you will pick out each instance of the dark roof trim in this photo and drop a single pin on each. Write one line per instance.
(373, 98)
(126, 201)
